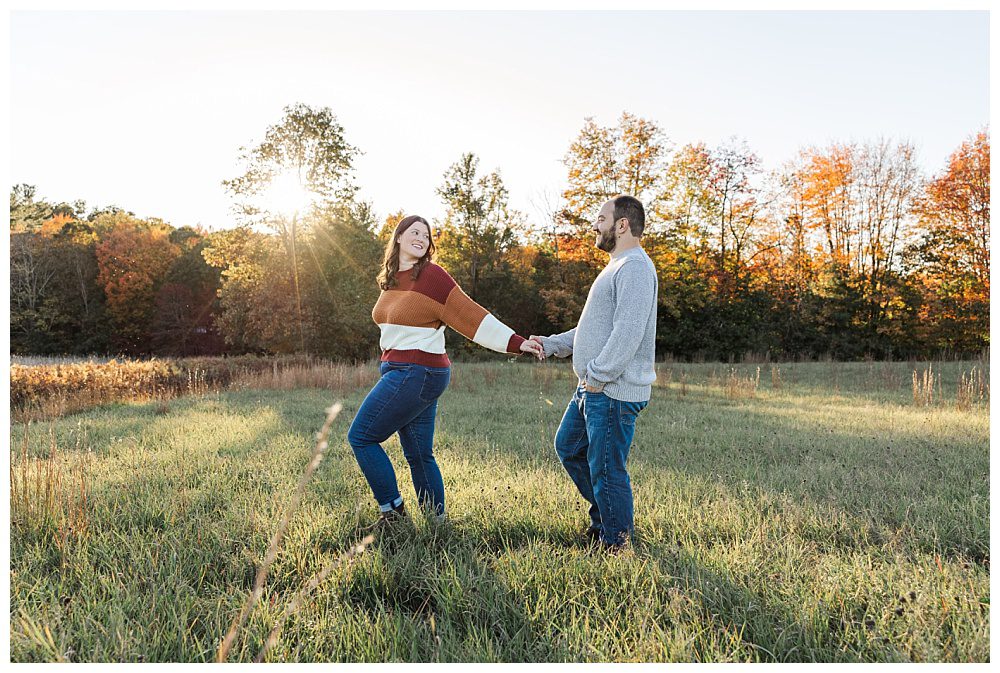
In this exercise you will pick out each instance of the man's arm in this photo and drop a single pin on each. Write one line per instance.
(559, 345)
(635, 289)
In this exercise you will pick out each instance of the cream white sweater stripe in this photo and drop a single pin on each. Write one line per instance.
(493, 334)
(404, 337)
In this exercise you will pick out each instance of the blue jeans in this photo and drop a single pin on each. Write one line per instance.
(593, 443)
(405, 401)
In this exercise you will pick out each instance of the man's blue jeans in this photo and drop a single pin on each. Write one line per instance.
(405, 401)
(593, 443)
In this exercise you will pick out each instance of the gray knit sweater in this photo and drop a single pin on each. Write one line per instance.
(613, 344)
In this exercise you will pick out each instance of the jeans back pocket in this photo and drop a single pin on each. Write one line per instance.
(630, 410)
(435, 381)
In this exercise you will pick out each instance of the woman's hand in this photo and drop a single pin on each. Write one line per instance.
(533, 347)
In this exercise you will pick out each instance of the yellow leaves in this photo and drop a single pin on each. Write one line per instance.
(54, 225)
(602, 161)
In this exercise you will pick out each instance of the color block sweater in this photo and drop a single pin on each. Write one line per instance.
(413, 315)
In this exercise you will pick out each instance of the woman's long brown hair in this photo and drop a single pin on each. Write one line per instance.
(390, 263)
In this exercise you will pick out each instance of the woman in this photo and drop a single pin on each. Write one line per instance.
(419, 299)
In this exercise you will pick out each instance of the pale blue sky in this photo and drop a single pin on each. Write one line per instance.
(147, 110)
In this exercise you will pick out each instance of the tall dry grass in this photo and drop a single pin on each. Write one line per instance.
(49, 495)
(48, 392)
(332, 376)
(973, 388)
(741, 386)
(924, 384)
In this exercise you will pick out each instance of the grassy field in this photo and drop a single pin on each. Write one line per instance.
(825, 512)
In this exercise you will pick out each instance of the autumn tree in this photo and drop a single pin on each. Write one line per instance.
(954, 213)
(32, 274)
(950, 258)
(478, 228)
(257, 311)
(734, 204)
(28, 213)
(56, 306)
(32, 271)
(601, 162)
(628, 158)
(186, 301)
(306, 151)
(855, 201)
(339, 284)
(132, 262)
(388, 226)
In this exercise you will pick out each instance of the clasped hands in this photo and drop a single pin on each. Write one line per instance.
(533, 345)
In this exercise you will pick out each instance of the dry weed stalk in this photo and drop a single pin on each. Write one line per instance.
(737, 386)
(972, 388)
(316, 580)
(923, 386)
(272, 551)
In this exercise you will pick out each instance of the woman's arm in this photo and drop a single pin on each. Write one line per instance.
(474, 322)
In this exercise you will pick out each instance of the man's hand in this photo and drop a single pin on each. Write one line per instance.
(533, 347)
(541, 347)
(591, 389)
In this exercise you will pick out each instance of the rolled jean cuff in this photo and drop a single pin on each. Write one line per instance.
(391, 505)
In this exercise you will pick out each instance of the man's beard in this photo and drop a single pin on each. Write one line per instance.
(606, 242)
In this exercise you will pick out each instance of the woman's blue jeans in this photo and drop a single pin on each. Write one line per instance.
(593, 444)
(405, 401)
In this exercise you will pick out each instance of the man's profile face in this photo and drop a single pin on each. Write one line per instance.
(604, 227)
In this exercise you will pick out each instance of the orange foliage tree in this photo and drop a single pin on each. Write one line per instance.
(133, 259)
(951, 258)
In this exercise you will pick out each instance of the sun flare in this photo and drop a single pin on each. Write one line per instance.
(287, 195)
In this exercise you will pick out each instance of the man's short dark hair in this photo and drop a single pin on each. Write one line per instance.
(631, 209)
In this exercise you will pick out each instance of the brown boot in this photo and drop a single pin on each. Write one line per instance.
(389, 517)
(590, 535)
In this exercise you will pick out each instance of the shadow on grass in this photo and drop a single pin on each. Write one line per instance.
(433, 584)
(898, 486)
(439, 588)
(913, 474)
(465, 575)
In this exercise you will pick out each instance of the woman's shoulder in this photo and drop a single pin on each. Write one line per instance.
(435, 282)
(433, 272)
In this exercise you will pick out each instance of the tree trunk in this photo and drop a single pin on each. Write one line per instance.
(295, 281)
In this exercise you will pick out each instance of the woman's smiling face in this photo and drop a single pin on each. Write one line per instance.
(415, 240)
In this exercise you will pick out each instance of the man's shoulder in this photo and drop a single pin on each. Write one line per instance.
(636, 263)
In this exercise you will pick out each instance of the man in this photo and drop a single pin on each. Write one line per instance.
(613, 352)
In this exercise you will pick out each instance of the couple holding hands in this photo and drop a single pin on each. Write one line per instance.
(612, 348)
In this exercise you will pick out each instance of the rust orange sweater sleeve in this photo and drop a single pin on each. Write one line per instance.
(412, 316)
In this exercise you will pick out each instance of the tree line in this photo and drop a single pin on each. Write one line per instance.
(846, 251)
